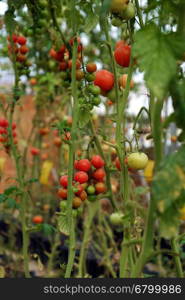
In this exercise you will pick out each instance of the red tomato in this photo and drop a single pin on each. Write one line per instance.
(14, 125)
(99, 174)
(120, 43)
(4, 123)
(62, 193)
(63, 66)
(14, 38)
(104, 79)
(122, 56)
(117, 163)
(97, 161)
(3, 131)
(21, 40)
(79, 189)
(35, 151)
(23, 49)
(64, 181)
(83, 165)
(81, 177)
(37, 220)
(44, 131)
(53, 53)
(91, 67)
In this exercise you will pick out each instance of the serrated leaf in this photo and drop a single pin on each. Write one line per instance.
(63, 224)
(168, 189)
(157, 58)
(91, 22)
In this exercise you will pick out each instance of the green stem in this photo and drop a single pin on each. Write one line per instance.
(72, 248)
(177, 260)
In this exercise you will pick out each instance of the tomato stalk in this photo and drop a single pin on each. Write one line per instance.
(91, 212)
(75, 110)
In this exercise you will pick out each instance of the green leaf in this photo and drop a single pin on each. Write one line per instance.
(11, 190)
(10, 21)
(63, 224)
(84, 117)
(168, 190)
(157, 55)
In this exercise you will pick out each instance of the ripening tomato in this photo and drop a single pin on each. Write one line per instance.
(37, 219)
(35, 151)
(122, 56)
(83, 195)
(117, 6)
(57, 141)
(123, 81)
(79, 189)
(21, 40)
(100, 188)
(21, 58)
(99, 174)
(83, 165)
(129, 12)
(79, 75)
(44, 131)
(137, 160)
(91, 67)
(104, 79)
(23, 49)
(97, 161)
(44, 156)
(81, 177)
(77, 202)
(64, 181)
(33, 81)
(62, 193)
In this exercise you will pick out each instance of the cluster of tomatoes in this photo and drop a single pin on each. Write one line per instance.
(122, 10)
(105, 80)
(4, 133)
(17, 46)
(88, 181)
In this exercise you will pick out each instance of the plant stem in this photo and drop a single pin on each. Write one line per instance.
(72, 243)
(177, 260)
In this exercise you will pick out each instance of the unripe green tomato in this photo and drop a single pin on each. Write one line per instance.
(43, 3)
(74, 213)
(42, 22)
(137, 160)
(111, 95)
(129, 12)
(117, 22)
(96, 101)
(116, 219)
(63, 75)
(44, 13)
(91, 198)
(63, 205)
(95, 90)
(91, 190)
(90, 77)
(81, 100)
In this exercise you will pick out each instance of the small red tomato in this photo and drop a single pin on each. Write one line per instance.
(81, 177)
(91, 67)
(53, 53)
(117, 163)
(63, 66)
(33, 81)
(44, 131)
(64, 181)
(83, 165)
(37, 220)
(14, 38)
(35, 151)
(104, 79)
(100, 188)
(122, 56)
(23, 49)
(21, 40)
(3, 131)
(4, 123)
(14, 126)
(99, 174)
(97, 161)
(62, 193)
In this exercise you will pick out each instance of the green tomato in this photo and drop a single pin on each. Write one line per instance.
(116, 22)
(63, 205)
(96, 101)
(116, 219)
(91, 198)
(129, 12)
(90, 77)
(74, 213)
(43, 3)
(95, 90)
(91, 190)
(112, 95)
(137, 160)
